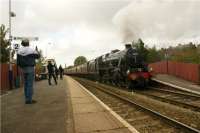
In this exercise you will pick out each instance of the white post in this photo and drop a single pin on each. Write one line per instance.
(10, 37)
(10, 52)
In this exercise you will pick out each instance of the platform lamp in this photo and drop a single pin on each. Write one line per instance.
(10, 76)
(167, 60)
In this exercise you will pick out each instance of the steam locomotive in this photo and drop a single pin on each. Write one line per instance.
(122, 68)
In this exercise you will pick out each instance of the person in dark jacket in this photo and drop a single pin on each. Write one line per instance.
(56, 71)
(61, 72)
(26, 61)
(51, 72)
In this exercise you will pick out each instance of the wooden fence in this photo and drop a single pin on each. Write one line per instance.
(187, 71)
(4, 82)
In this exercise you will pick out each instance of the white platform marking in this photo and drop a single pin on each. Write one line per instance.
(175, 86)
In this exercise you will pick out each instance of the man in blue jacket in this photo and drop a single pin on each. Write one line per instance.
(26, 60)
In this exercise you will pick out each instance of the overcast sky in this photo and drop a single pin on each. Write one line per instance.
(69, 28)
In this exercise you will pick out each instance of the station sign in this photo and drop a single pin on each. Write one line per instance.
(16, 46)
(24, 38)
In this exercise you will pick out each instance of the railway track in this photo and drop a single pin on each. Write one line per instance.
(142, 118)
(171, 95)
(176, 97)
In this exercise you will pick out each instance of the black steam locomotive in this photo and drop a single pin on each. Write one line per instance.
(125, 67)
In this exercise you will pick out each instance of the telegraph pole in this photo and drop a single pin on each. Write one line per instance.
(10, 76)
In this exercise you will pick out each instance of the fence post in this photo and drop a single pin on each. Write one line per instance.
(167, 66)
(199, 75)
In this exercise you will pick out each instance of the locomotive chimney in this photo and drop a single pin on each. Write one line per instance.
(127, 46)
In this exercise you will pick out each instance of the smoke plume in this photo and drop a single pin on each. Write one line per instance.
(156, 20)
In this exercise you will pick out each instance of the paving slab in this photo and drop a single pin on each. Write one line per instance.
(97, 121)
(121, 130)
(79, 100)
(87, 108)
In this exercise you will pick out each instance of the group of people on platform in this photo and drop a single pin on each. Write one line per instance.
(53, 71)
(26, 61)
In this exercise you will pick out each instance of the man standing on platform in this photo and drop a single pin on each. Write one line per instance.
(51, 72)
(26, 60)
(56, 71)
(61, 72)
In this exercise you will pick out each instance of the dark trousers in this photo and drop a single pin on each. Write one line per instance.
(54, 77)
(61, 75)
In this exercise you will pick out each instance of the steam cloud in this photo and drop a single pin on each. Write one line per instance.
(159, 20)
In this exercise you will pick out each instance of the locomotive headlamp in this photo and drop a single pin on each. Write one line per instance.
(128, 71)
(150, 69)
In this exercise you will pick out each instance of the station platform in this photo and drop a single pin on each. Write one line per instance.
(177, 83)
(64, 108)
(48, 115)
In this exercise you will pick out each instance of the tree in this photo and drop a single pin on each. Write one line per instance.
(153, 55)
(142, 50)
(70, 67)
(187, 53)
(4, 55)
(80, 60)
(40, 61)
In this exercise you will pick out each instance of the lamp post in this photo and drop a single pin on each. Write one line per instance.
(167, 58)
(11, 14)
(47, 48)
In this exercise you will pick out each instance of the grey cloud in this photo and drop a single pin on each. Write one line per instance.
(160, 20)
